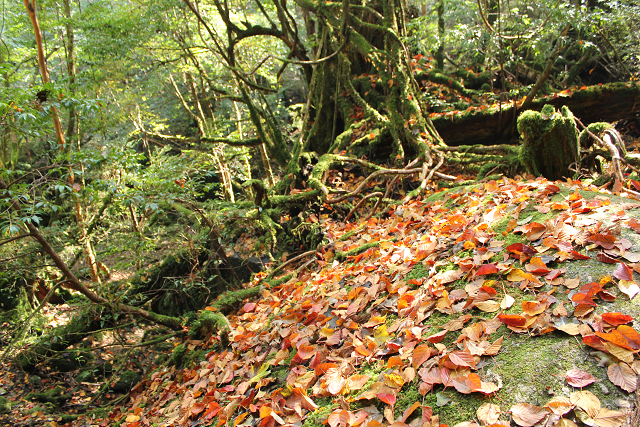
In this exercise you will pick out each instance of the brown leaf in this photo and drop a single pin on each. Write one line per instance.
(526, 415)
(488, 413)
(609, 418)
(623, 376)
(586, 401)
(579, 378)
(494, 348)
(421, 354)
(559, 405)
(604, 240)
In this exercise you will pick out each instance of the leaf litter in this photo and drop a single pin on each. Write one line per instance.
(343, 343)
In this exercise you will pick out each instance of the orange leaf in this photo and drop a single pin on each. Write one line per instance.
(633, 338)
(197, 408)
(322, 368)
(487, 269)
(604, 240)
(512, 320)
(306, 351)
(533, 308)
(615, 319)
(421, 354)
(616, 338)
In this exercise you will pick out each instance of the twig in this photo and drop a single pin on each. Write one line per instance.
(361, 202)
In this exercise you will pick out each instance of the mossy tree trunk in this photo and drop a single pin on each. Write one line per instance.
(362, 97)
(549, 143)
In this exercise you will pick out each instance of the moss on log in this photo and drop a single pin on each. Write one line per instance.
(608, 102)
(550, 142)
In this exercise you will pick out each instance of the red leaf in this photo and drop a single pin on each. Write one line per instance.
(521, 249)
(249, 307)
(387, 398)
(623, 272)
(487, 269)
(578, 378)
(436, 338)
(512, 320)
(615, 319)
(578, 255)
(602, 257)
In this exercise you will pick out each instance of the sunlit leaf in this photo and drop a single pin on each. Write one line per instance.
(526, 415)
(579, 378)
(623, 376)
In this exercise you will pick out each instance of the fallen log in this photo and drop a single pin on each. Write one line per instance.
(607, 102)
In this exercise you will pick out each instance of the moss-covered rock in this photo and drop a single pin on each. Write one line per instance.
(126, 381)
(5, 405)
(549, 142)
(71, 359)
(55, 395)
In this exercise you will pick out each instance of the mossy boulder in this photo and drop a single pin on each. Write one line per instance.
(5, 405)
(55, 395)
(126, 381)
(71, 360)
(549, 143)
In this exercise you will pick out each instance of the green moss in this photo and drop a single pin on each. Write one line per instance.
(532, 370)
(208, 323)
(407, 397)
(177, 356)
(463, 407)
(55, 395)
(5, 405)
(418, 271)
(231, 300)
(319, 416)
(127, 380)
(341, 256)
(550, 142)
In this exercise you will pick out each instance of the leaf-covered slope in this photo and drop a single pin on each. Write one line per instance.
(466, 308)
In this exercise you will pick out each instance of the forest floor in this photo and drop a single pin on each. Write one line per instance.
(508, 302)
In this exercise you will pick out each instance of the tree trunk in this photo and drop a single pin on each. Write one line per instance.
(609, 102)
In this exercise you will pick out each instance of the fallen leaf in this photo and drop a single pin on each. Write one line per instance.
(559, 405)
(512, 320)
(586, 401)
(387, 398)
(629, 288)
(609, 418)
(488, 413)
(526, 415)
(507, 302)
(616, 319)
(623, 376)
(578, 378)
